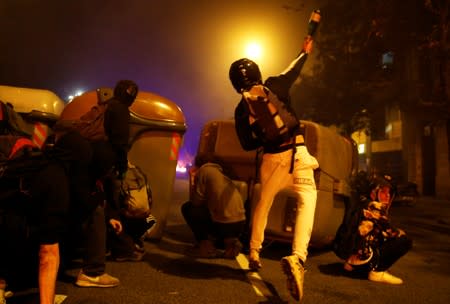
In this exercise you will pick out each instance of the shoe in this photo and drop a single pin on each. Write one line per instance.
(348, 267)
(150, 224)
(136, 256)
(139, 247)
(232, 248)
(384, 277)
(205, 249)
(254, 263)
(104, 280)
(295, 275)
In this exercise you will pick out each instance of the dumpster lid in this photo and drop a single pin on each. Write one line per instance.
(26, 100)
(148, 107)
(152, 106)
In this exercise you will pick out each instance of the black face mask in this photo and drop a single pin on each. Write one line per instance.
(126, 91)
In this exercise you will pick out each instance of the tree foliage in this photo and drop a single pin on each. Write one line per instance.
(352, 38)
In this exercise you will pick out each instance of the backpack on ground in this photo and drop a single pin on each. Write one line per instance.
(91, 124)
(270, 117)
(135, 193)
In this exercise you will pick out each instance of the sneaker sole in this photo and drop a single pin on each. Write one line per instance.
(89, 284)
(291, 282)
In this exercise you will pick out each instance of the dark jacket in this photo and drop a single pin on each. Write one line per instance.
(117, 118)
(280, 86)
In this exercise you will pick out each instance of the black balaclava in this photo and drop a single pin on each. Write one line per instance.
(126, 91)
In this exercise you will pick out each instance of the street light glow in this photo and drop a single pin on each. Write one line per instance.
(253, 51)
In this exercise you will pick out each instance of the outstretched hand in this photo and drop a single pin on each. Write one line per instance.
(308, 44)
(116, 225)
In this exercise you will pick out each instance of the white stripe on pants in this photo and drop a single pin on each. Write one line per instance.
(275, 176)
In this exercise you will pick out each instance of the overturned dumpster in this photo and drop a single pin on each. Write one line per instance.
(157, 127)
(337, 157)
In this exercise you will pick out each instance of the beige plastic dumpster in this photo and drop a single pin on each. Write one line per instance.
(157, 127)
(36, 106)
(336, 155)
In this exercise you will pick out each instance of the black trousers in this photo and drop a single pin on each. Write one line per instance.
(94, 236)
(203, 227)
(390, 251)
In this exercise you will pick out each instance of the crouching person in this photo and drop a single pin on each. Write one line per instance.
(215, 213)
(129, 200)
(378, 244)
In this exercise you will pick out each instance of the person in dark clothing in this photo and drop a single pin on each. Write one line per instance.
(87, 221)
(287, 164)
(105, 160)
(34, 225)
(378, 244)
(117, 118)
(50, 191)
(116, 124)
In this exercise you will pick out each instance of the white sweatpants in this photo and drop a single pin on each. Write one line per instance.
(275, 176)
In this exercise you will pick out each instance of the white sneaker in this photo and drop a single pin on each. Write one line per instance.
(104, 280)
(295, 276)
(384, 277)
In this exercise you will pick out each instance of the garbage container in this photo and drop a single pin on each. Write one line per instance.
(39, 108)
(337, 158)
(157, 127)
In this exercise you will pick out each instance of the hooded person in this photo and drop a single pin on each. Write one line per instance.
(378, 244)
(117, 117)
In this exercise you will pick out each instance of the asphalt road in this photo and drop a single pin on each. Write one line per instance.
(168, 276)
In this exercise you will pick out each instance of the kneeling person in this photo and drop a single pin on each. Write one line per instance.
(216, 210)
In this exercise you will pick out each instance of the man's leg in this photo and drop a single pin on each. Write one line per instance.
(94, 262)
(304, 185)
(305, 188)
(94, 231)
(230, 234)
(199, 220)
(392, 250)
(274, 177)
(48, 271)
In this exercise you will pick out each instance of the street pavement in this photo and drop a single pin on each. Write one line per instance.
(167, 275)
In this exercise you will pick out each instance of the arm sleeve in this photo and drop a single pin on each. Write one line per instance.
(118, 131)
(243, 129)
(281, 84)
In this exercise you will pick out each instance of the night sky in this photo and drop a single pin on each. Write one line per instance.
(180, 49)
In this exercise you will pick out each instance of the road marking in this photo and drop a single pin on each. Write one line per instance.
(59, 298)
(255, 279)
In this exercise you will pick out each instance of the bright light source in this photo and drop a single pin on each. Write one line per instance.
(181, 169)
(253, 51)
(78, 93)
(361, 148)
